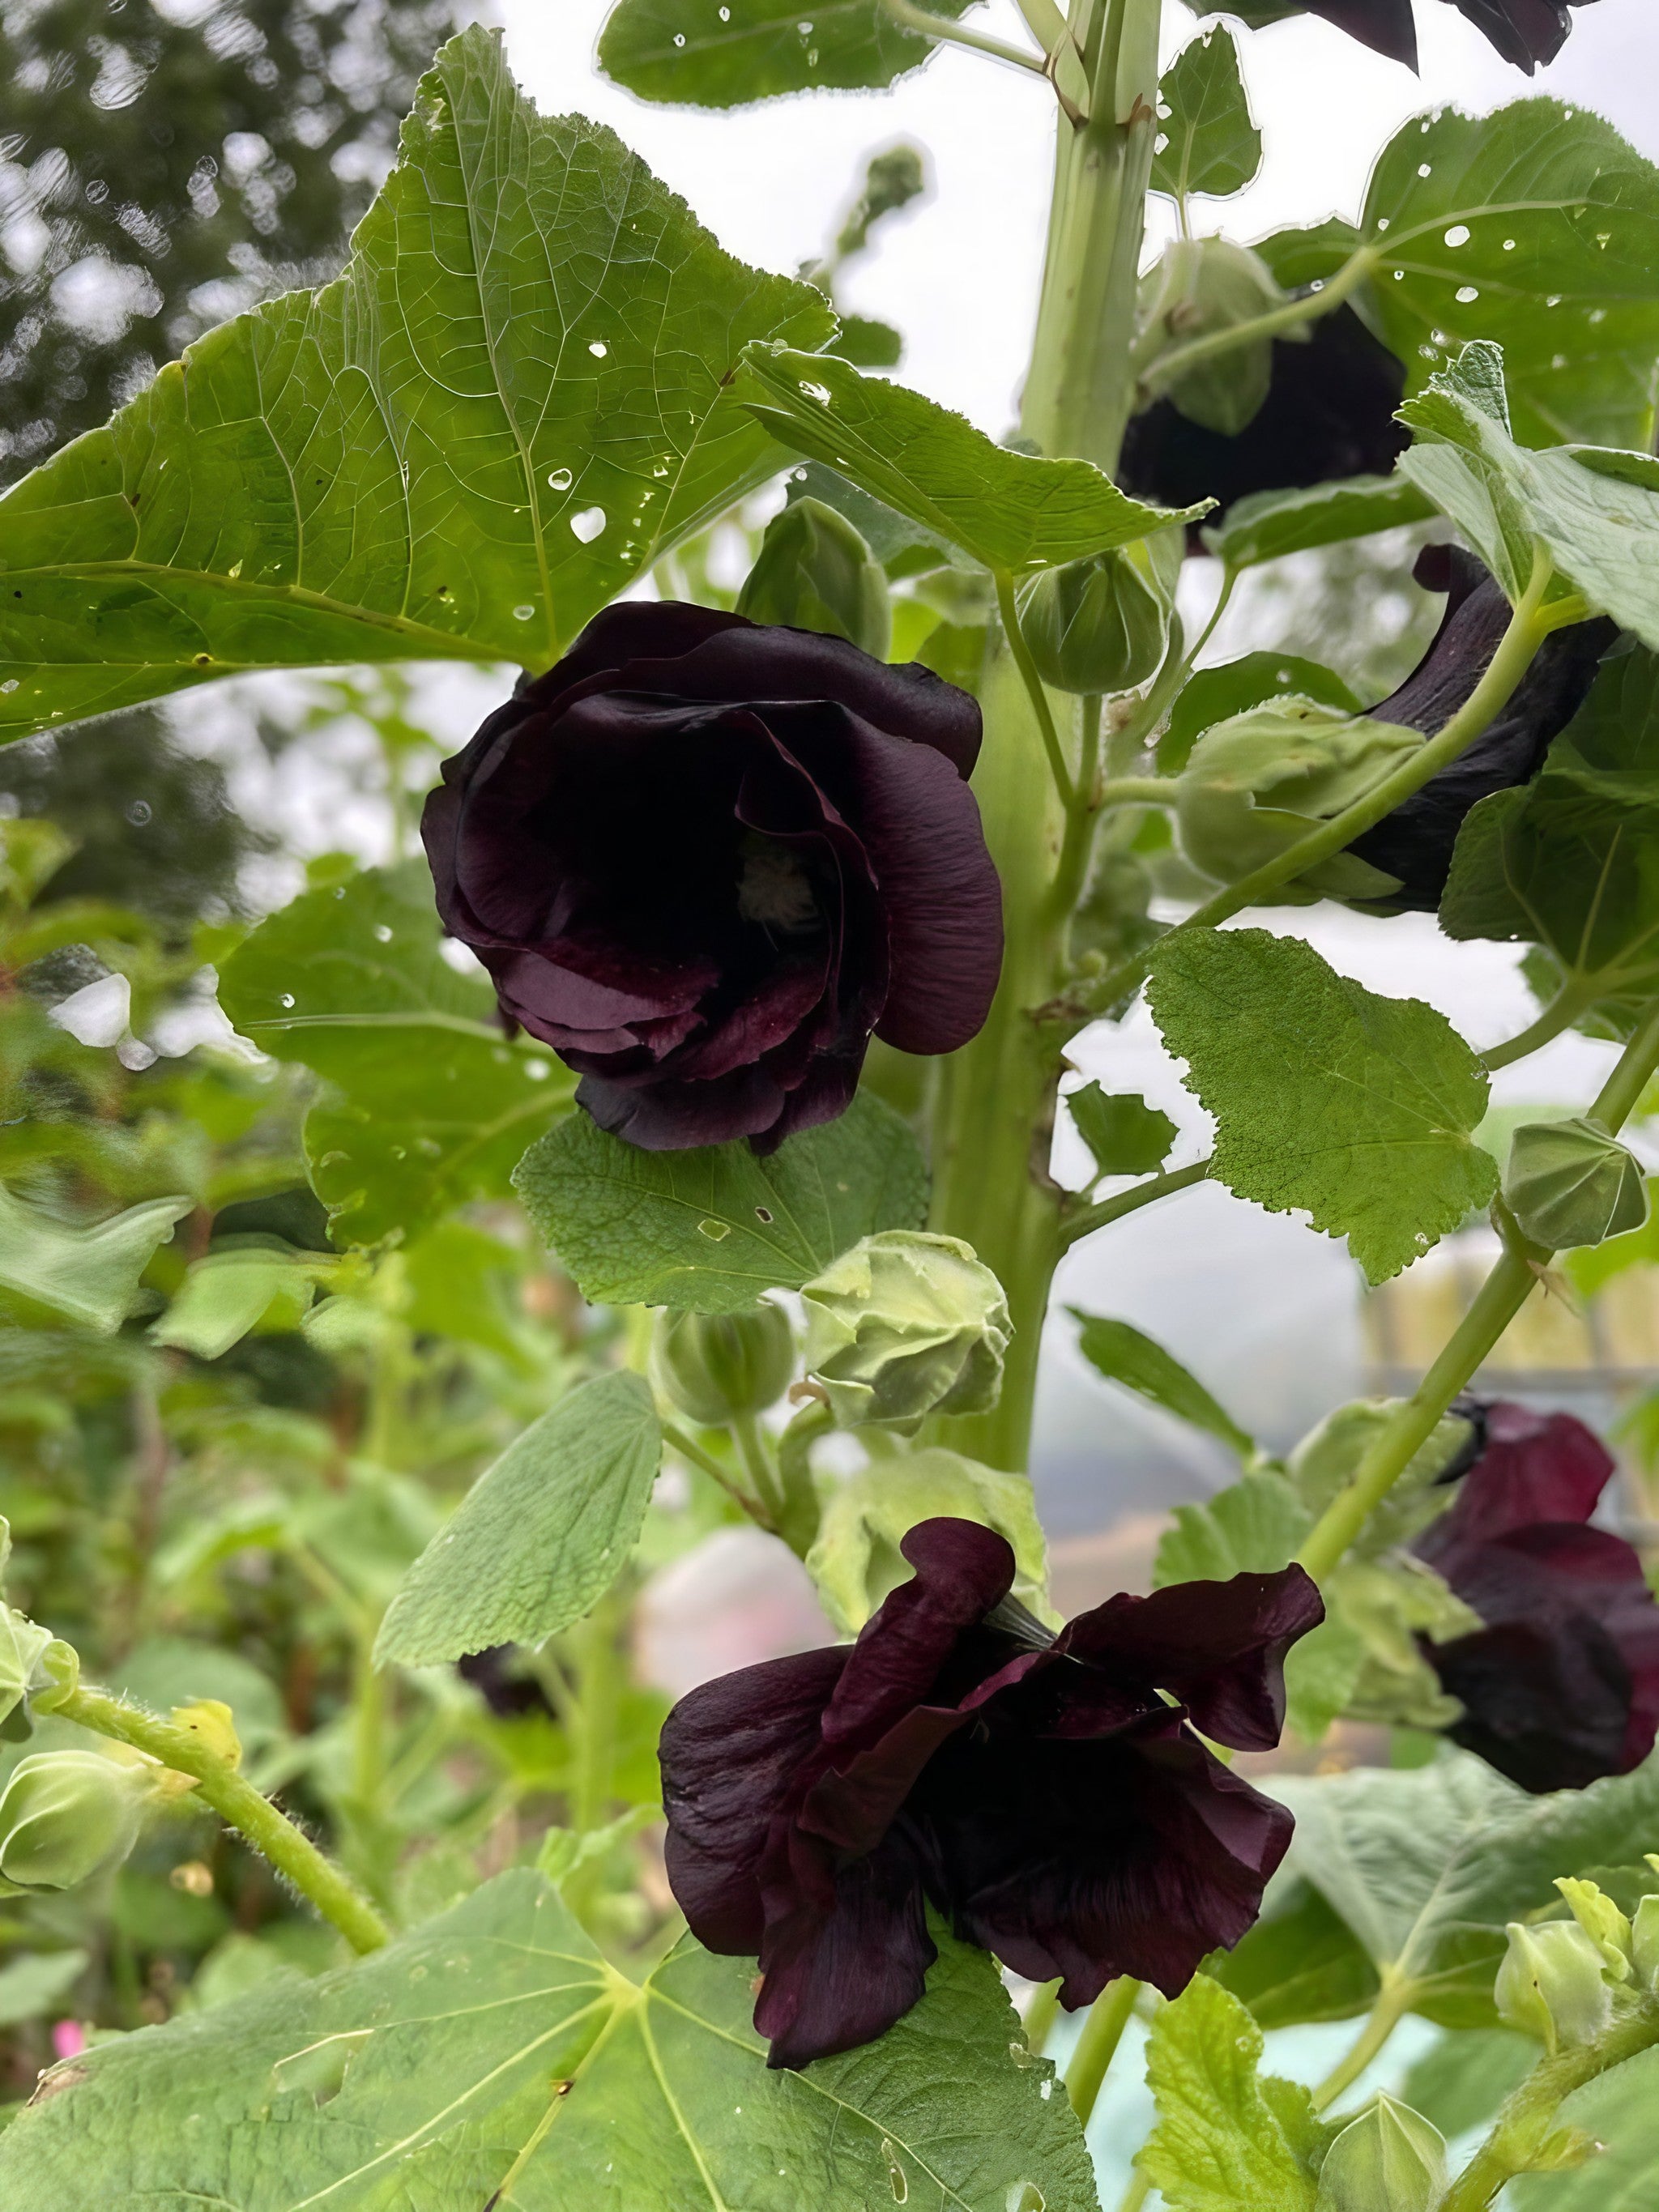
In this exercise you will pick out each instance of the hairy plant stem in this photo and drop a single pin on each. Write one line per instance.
(1500, 1297)
(1087, 1218)
(1102, 2031)
(239, 1805)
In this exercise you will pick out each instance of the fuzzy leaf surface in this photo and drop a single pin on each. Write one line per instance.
(1329, 1099)
(511, 402)
(1220, 2142)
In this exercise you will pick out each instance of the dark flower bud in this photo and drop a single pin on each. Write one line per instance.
(66, 1815)
(1095, 626)
(1414, 842)
(1569, 1184)
(814, 572)
(1043, 1791)
(1390, 2159)
(715, 1365)
(1561, 1685)
(1199, 286)
(1261, 782)
(705, 858)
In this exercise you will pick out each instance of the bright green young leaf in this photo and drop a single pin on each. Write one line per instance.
(431, 1106)
(1007, 510)
(1216, 693)
(496, 2041)
(1226, 2138)
(1570, 861)
(232, 1292)
(1208, 141)
(1299, 1962)
(1127, 1355)
(687, 54)
(1357, 1110)
(88, 1276)
(510, 404)
(1619, 2112)
(1254, 1526)
(165, 1671)
(1269, 524)
(855, 1558)
(1126, 1136)
(713, 1228)
(540, 1536)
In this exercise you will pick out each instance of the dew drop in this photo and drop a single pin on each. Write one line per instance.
(599, 348)
(818, 391)
(523, 614)
(139, 812)
(1557, 360)
(1047, 2090)
(895, 2180)
(715, 1231)
(812, 57)
(287, 999)
(1383, 221)
(726, 15)
(1509, 245)
(1597, 315)
(383, 933)
(679, 38)
(537, 1070)
(1459, 234)
(1023, 2055)
(587, 525)
(1468, 293)
(805, 30)
(560, 479)
(1425, 169)
(8, 686)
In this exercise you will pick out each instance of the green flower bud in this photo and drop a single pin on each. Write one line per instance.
(905, 1325)
(1202, 285)
(1603, 1923)
(1550, 1985)
(814, 571)
(36, 1668)
(1257, 783)
(1097, 625)
(1570, 1184)
(1390, 2159)
(66, 1815)
(715, 1365)
(1645, 1944)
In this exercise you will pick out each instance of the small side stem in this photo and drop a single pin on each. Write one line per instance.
(241, 1806)
(758, 1464)
(1138, 790)
(929, 26)
(1096, 2047)
(1090, 1217)
(1034, 687)
(1572, 999)
(690, 1450)
(1169, 366)
(1391, 2006)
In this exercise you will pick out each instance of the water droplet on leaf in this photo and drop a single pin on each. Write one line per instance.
(560, 479)
(523, 614)
(588, 525)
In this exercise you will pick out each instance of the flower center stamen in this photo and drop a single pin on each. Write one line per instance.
(774, 886)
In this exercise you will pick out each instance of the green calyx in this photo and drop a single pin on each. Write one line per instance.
(1569, 1184)
(1200, 286)
(1390, 2159)
(1258, 782)
(67, 1815)
(716, 1366)
(1552, 1985)
(1097, 626)
(904, 1324)
(814, 571)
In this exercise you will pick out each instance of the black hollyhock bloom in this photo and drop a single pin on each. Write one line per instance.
(508, 1693)
(1525, 31)
(1561, 1686)
(1415, 841)
(704, 859)
(1036, 1789)
(1330, 413)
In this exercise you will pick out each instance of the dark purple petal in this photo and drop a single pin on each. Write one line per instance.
(730, 1752)
(1525, 31)
(1414, 844)
(838, 1974)
(1219, 1647)
(1385, 26)
(1330, 413)
(1532, 1467)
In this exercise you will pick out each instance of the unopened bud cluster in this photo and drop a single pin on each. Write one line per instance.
(1565, 1982)
(716, 1366)
(905, 1325)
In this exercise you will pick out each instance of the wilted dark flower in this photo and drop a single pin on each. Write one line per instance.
(1561, 1686)
(1036, 1789)
(704, 859)
(1328, 413)
(1525, 31)
(1414, 844)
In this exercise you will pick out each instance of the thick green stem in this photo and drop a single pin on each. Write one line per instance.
(1385, 2016)
(1102, 2031)
(239, 1805)
(1500, 1297)
(1088, 1218)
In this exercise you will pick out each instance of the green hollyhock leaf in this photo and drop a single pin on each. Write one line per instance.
(540, 1536)
(1570, 861)
(710, 1229)
(233, 1291)
(690, 55)
(510, 404)
(1124, 1354)
(1006, 510)
(1215, 695)
(1208, 140)
(1357, 1110)
(1124, 1135)
(1254, 1526)
(1326, 1460)
(1465, 2074)
(429, 1104)
(86, 1276)
(1268, 525)
(1300, 1962)
(495, 2042)
(1224, 2136)
(1618, 2114)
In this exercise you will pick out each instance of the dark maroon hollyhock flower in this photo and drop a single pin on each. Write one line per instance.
(1415, 841)
(1561, 1686)
(1525, 31)
(1330, 413)
(1035, 1788)
(704, 858)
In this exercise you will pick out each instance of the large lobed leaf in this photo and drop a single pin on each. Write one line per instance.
(512, 401)
(430, 1105)
(1357, 1110)
(497, 2043)
(691, 54)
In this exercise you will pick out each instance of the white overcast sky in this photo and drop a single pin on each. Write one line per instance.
(958, 273)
